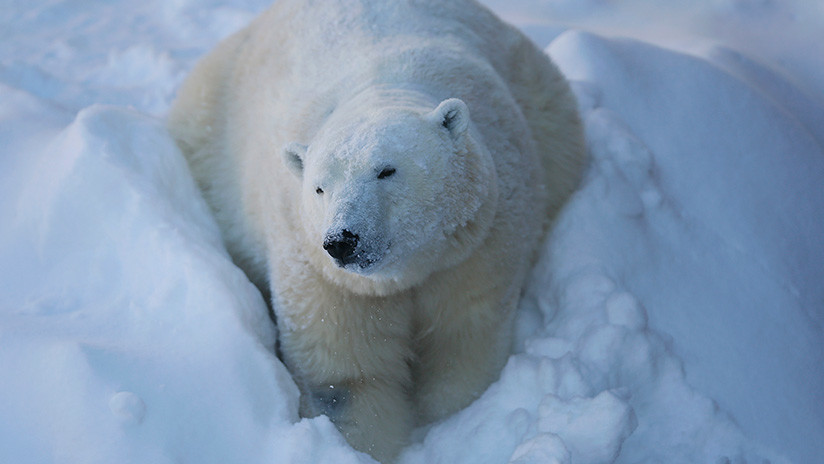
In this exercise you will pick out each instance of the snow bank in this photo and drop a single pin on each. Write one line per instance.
(675, 316)
(126, 333)
(725, 183)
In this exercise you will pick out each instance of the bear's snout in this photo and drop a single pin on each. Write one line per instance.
(341, 246)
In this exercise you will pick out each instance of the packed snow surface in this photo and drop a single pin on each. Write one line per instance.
(676, 314)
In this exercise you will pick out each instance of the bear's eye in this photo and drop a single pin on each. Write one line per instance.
(386, 173)
(319, 191)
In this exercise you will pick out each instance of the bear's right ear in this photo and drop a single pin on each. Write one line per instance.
(293, 154)
(453, 115)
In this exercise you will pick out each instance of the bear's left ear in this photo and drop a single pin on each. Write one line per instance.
(452, 114)
(293, 154)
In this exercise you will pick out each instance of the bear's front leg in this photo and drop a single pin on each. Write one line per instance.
(350, 356)
(374, 414)
(464, 335)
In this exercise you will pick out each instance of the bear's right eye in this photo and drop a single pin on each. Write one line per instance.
(386, 173)
(319, 191)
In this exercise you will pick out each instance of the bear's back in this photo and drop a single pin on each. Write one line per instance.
(339, 45)
(334, 48)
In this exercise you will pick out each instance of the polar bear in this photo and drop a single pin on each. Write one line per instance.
(384, 171)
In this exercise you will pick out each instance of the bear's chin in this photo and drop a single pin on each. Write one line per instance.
(362, 267)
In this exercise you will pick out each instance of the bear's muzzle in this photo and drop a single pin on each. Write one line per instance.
(341, 247)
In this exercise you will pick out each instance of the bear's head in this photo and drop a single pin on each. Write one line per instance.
(392, 194)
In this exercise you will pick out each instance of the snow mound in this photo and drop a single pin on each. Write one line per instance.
(130, 334)
(719, 183)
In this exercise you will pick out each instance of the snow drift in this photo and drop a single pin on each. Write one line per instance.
(675, 315)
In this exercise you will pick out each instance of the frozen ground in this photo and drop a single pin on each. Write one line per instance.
(676, 316)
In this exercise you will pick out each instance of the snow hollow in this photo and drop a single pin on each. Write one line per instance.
(676, 314)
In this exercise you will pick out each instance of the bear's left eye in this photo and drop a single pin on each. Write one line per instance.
(386, 173)
(319, 191)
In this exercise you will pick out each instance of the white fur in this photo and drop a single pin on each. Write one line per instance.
(287, 126)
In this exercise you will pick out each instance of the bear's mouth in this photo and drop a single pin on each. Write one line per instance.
(355, 263)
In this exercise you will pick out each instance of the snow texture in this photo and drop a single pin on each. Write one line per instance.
(676, 314)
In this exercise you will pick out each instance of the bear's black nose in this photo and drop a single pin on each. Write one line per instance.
(341, 246)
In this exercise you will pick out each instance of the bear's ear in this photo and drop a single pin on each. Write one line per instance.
(452, 114)
(293, 154)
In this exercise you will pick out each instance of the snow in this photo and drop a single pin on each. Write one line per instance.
(743, 290)
(676, 314)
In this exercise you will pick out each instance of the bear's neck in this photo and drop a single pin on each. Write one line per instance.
(387, 95)
(472, 228)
